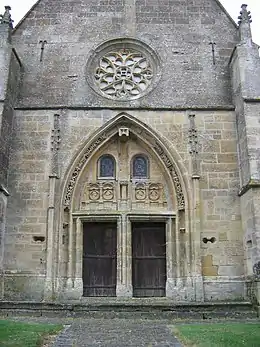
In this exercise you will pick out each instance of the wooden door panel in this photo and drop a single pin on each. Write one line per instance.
(149, 259)
(99, 259)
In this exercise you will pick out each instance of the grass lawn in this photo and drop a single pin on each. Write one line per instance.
(219, 335)
(17, 334)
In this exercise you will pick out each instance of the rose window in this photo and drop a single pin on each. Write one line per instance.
(124, 74)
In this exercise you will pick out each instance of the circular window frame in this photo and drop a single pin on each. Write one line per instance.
(115, 45)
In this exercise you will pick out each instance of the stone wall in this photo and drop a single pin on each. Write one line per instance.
(188, 105)
(180, 34)
(10, 80)
(10, 67)
(219, 205)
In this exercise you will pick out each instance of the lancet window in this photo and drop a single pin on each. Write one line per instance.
(107, 166)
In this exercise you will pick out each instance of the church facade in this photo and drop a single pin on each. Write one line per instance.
(129, 152)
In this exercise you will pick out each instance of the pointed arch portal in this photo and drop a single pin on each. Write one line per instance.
(128, 123)
(126, 232)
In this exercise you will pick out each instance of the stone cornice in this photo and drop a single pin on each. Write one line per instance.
(125, 108)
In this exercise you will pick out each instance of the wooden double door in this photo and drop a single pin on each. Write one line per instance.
(148, 259)
(99, 259)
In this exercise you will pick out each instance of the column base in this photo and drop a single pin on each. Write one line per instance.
(123, 290)
(48, 290)
(257, 292)
(199, 289)
(74, 289)
(180, 289)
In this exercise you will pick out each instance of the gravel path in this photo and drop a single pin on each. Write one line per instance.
(116, 333)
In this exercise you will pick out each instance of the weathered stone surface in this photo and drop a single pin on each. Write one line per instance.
(196, 125)
(73, 31)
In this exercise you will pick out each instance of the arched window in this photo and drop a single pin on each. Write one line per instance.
(140, 166)
(107, 166)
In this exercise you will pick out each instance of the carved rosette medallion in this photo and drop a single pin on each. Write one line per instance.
(140, 192)
(94, 192)
(108, 191)
(154, 192)
(123, 69)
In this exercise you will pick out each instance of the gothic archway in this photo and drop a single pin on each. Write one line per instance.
(157, 145)
(173, 211)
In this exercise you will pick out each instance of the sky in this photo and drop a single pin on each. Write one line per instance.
(20, 7)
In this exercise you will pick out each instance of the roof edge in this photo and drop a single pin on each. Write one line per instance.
(37, 2)
(227, 13)
(25, 16)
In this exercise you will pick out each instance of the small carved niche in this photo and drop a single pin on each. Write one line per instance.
(124, 190)
(211, 240)
(249, 243)
(38, 239)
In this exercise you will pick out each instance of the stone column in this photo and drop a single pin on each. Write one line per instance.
(170, 258)
(3, 203)
(257, 294)
(196, 242)
(49, 285)
(177, 253)
(78, 282)
(51, 221)
(124, 258)
(70, 254)
(74, 289)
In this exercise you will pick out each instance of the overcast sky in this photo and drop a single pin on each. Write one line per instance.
(20, 7)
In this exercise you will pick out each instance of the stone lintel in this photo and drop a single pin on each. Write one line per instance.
(253, 183)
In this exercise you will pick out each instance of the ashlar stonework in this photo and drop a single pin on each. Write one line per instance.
(129, 152)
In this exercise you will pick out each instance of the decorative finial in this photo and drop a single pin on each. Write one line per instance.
(245, 15)
(6, 17)
(245, 25)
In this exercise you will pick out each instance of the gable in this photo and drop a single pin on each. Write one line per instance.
(41, 4)
(178, 31)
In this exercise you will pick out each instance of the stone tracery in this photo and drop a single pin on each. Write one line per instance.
(124, 74)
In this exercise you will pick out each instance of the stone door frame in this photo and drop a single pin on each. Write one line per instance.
(74, 288)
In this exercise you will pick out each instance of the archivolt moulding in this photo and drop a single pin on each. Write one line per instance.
(104, 134)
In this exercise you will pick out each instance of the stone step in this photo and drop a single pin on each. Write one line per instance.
(144, 309)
